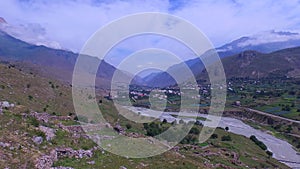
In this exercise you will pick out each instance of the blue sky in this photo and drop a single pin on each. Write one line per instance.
(69, 23)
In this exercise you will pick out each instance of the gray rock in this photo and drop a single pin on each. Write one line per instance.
(5, 104)
(91, 162)
(50, 133)
(4, 144)
(37, 139)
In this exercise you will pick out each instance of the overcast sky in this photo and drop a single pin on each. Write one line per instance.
(71, 22)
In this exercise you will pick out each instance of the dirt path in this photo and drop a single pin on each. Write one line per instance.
(271, 115)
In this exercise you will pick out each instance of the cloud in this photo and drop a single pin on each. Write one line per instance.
(33, 33)
(71, 22)
(269, 37)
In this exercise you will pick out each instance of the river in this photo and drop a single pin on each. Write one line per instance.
(282, 150)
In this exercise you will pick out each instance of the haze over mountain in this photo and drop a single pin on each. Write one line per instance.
(51, 62)
(264, 42)
(61, 63)
(32, 33)
(2, 21)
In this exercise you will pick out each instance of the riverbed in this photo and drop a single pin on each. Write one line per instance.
(282, 150)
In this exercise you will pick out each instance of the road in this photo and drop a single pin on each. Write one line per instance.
(272, 115)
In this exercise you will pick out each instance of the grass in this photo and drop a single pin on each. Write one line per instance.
(34, 92)
(249, 154)
(55, 97)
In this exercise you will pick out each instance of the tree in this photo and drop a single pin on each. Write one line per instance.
(259, 143)
(194, 131)
(128, 126)
(270, 154)
(198, 123)
(214, 136)
(165, 121)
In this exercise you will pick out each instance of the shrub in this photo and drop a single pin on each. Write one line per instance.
(189, 139)
(30, 97)
(34, 122)
(83, 119)
(214, 136)
(226, 138)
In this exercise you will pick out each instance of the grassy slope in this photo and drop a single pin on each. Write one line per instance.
(19, 131)
(34, 92)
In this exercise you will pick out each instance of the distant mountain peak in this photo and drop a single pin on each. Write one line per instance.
(265, 41)
(32, 33)
(2, 20)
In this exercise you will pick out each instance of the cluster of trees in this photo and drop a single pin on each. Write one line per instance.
(259, 143)
(154, 128)
(285, 108)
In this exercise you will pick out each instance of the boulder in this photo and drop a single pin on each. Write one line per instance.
(37, 140)
(49, 132)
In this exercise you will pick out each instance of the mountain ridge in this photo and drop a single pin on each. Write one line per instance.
(55, 63)
(284, 40)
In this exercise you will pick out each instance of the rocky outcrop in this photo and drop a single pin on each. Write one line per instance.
(45, 117)
(37, 139)
(5, 105)
(46, 161)
(70, 153)
(49, 132)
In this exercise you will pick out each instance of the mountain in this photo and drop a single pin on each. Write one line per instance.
(32, 33)
(253, 64)
(2, 21)
(163, 79)
(264, 42)
(50, 62)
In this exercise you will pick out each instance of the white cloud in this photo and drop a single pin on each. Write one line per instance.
(269, 37)
(33, 33)
(71, 22)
